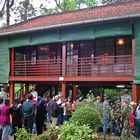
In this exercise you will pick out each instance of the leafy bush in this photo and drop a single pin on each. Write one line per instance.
(87, 115)
(51, 134)
(115, 94)
(72, 131)
(22, 134)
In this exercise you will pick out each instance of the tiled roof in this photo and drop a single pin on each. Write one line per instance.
(94, 13)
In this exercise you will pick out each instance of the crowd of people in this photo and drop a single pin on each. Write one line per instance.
(121, 118)
(33, 111)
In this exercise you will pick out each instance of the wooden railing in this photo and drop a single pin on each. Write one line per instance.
(100, 66)
(88, 66)
(38, 68)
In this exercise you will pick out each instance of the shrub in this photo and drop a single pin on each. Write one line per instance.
(72, 131)
(22, 134)
(51, 134)
(87, 115)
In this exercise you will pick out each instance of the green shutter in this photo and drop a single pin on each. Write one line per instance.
(44, 37)
(4, 60)
(137, 53)
(78, 33)
(19, 40)
(117, 29)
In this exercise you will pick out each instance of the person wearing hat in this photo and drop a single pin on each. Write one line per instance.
(125, 98)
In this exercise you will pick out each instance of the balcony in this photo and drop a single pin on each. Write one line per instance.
(102, 66)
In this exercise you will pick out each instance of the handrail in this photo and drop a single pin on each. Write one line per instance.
(87, 66)
(19, 91)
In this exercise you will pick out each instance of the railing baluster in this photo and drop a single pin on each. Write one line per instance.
(88, 66)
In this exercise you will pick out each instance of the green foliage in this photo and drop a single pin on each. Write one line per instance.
(52, 133)
(115, 1)
(22, 134)
(88, 116)
(72, 131)
(115, 94)
(89, 101)
(24, 11)
(66, 5)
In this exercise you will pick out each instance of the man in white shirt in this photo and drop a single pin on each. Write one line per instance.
(35, 94)
(3, 94)
(125, 98)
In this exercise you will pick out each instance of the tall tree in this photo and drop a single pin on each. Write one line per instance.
(67, 5)
(24, 11)
(6, 7)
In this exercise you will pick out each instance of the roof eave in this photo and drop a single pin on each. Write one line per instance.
(70, 24)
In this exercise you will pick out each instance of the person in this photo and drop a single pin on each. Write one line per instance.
(106, 115)
(52, 110)
(1, 104)
(125, 98)
(3, 94)
(16, 112)
(34, 94)
(40, 116)
(28, 111)
(116, 117)
(68, 109)
(138, 121)
(99, 107)
(5, 119)
(126, 112)
(99, 104)
(60, 109)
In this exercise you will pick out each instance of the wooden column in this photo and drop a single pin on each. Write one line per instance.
(63, 85)
(26, 89)
(74, 92)
(12, 61)
(133, 55)
(64, 59)
(11, 92)
(136, 93)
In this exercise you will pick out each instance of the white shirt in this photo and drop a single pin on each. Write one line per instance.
(3, 94)
(126, 98)
(35, 95)
(138, 112)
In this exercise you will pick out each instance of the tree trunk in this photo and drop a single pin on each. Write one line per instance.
(8, 13)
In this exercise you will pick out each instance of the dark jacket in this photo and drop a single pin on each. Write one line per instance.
(28, 109)
(41, 113)
(16, 112)
(52, 108)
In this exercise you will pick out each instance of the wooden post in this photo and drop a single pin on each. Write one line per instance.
(74, 92)
(64, 59)
(133, 55)
(63, 85)
(26, 89)
(12, 61)
(11, 92)
(136, 93)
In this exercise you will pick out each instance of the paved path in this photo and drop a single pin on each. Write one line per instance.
(11, 138)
